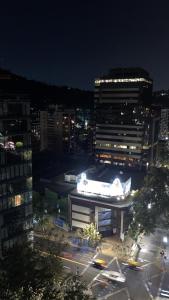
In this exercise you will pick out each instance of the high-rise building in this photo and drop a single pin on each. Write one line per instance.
(125, 124)
(15, 170)
(164, 122)
(57, 129)
(161, 100)
(35, 129)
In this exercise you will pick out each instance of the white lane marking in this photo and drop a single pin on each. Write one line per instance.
(65, 267)
(95, 278)
(155, 275)
(160, 287)
(164, 291)
(118, 265)
(148, 291)
(85, 269)
(148, 264)
(164, 294)
(111, 261)
(116, 292)
(103, 281)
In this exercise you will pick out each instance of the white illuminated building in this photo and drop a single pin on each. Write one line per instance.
(104, 189)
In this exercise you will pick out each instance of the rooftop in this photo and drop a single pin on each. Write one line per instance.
(106, 173)
(108, 193)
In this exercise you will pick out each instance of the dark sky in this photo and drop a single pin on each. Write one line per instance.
(72, 42)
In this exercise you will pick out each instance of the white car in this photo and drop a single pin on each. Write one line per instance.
(115, 276)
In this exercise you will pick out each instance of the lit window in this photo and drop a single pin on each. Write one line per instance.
(107, 162)
(17, 200)
(120, 146)
(123, 146)
(99, 81)
(105, 155)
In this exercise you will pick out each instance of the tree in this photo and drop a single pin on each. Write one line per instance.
(73, 288)
(38, 205)
(90, 232)
(163, 154)
(54, 202)
(25, 274)
(150, 202)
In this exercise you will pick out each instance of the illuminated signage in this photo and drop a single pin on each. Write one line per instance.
(114, 189)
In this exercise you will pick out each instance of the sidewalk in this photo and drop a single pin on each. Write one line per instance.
(67, 242)
(112, 246)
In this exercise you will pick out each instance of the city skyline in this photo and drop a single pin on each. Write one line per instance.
(74, 43)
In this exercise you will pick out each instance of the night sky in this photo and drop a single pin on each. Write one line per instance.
(72, 42)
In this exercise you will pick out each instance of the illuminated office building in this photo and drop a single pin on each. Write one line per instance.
(126, 129)
(15, 170)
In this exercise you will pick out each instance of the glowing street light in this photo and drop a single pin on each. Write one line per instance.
(165, 239)
(149, 205)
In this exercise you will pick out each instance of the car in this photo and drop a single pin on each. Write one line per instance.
(99, 263)
(134, 264)
(114, 276)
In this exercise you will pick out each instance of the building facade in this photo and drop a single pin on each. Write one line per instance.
(164, 124)
(106, 204)
(125, 125)
(15, 170)
(57, 129)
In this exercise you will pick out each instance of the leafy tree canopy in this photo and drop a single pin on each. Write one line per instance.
(27, 274)
(151, 202)
(91, 232)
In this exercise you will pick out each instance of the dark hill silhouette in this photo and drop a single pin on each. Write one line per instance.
(41, 93)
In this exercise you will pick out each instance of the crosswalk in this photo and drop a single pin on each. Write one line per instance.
(164, 293)
(98, 277)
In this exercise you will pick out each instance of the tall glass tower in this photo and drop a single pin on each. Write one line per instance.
(15, 170)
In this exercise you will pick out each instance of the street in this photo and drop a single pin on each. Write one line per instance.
(151, 282)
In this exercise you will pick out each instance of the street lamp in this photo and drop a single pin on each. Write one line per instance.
(165, 239)
(149, 205)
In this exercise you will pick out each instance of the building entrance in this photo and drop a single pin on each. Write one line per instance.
(105, 221)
